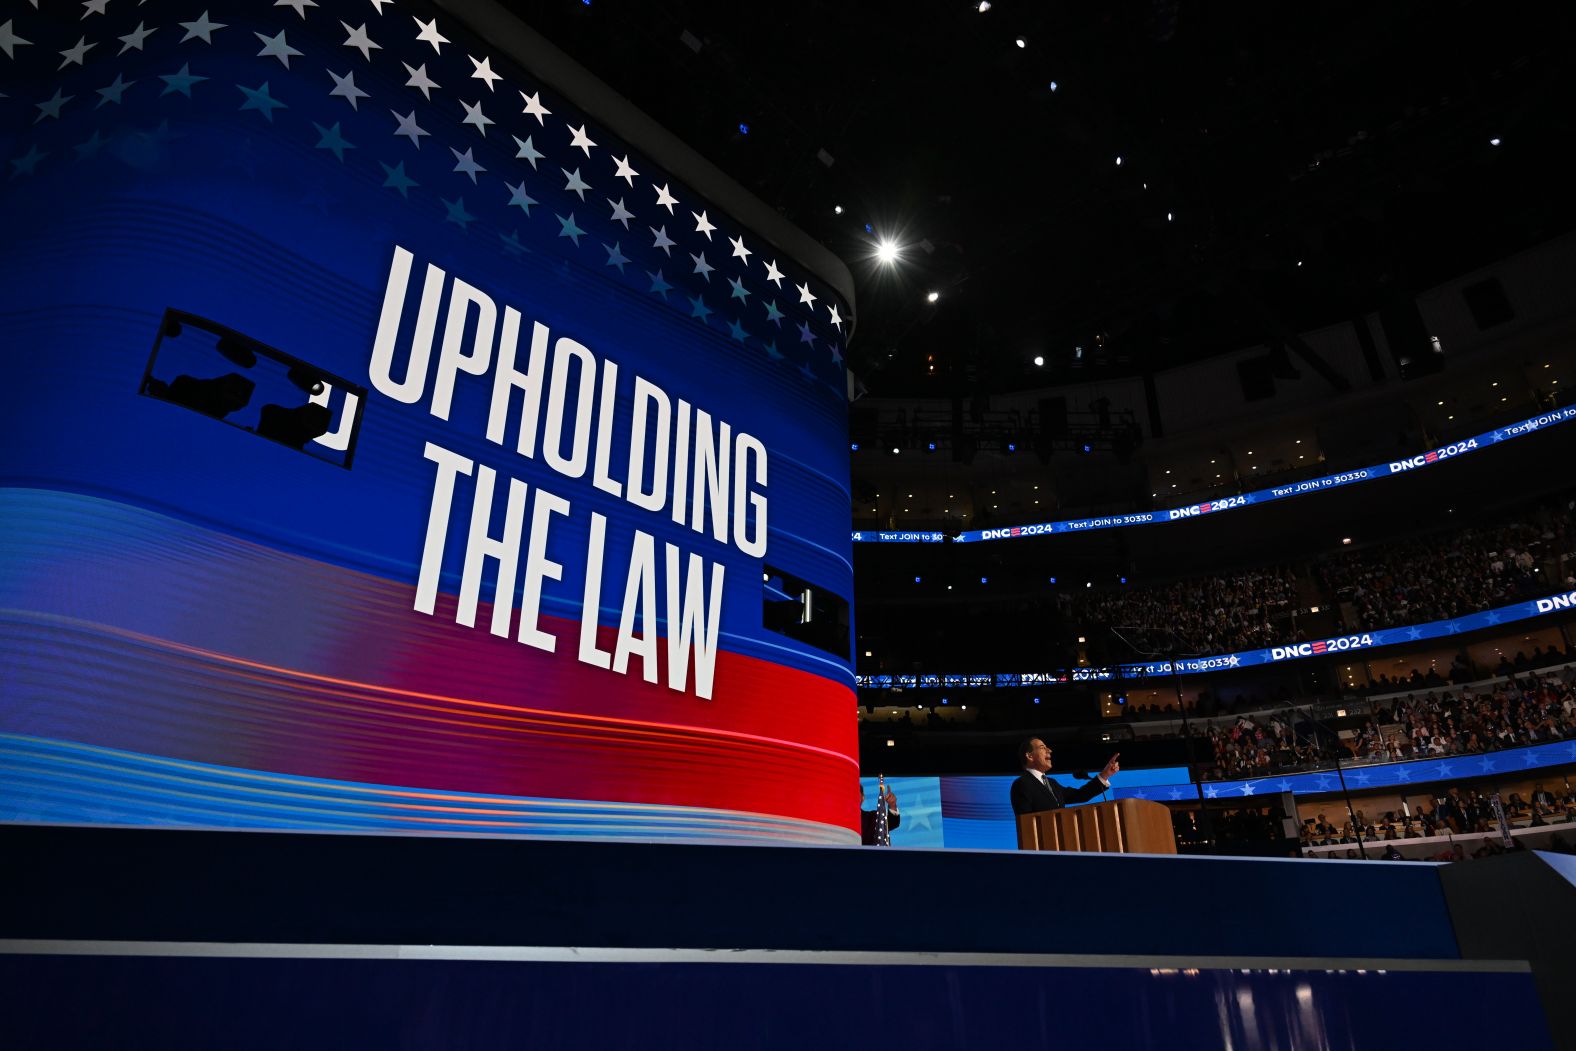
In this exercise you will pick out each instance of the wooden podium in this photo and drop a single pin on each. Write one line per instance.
(1122, 826)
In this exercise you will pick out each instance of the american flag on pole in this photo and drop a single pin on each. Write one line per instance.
(409, 105)
(883, 817)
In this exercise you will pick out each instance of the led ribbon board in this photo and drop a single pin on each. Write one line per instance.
(1291, 651)
(1365, 777)
(1443, 454)
(387, 445)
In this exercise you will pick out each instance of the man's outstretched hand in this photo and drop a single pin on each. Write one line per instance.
(1111, 767)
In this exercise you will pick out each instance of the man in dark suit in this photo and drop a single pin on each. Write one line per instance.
(1034, 792)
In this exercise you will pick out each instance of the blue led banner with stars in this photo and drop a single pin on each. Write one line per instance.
(1363, 778)
(375, 418)
(1360, 642)
(1443, 454)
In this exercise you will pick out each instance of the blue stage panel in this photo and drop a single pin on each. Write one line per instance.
(240, 1003)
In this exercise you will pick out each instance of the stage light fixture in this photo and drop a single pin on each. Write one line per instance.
(894, 450)
(984, 580)
(917, 580)
(930, 447)
(1012, 447)
(1039, 360)
(932, 297)
(1088, 448)
(1022, 43)
(1168, 217)
(886, 251)
(1036, 700)
(1053, 86)
(744, 129)
(1493, 141)
(1119, 160)
(853, 446)
(837, 209)
(982, 6)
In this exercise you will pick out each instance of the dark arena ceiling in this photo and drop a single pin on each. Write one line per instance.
(1281, 167)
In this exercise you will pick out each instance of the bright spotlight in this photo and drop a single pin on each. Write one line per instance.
(1054, 86)
(984, 5)
(1118, 161)
(1021, 42)
(932, 297)
(1493, 142)
(886, 251)
(1039, 360)
(837, 209)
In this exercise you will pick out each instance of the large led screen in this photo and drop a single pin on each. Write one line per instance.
(387, 445)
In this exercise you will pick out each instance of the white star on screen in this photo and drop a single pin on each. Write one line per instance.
(620, 213)
(625, 172)
(9, 41)
(574, 184)
(836, 320)
(664, 198)
(475, 117)
(276, 47)
(72, 56)
(420, 80)
(582, 140)
(702, 267)
(526, 151)
(805, 295)
(662, 240)
(484, 71)
(132, 40)
(409, 128)
(464, 162)
(429, 33)
(774, 275)
(518, 196)
(358, 39)
(299, 5)
(534, 107)
(739, 251)
(703, 225)
(345, 88)
(202, 29)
